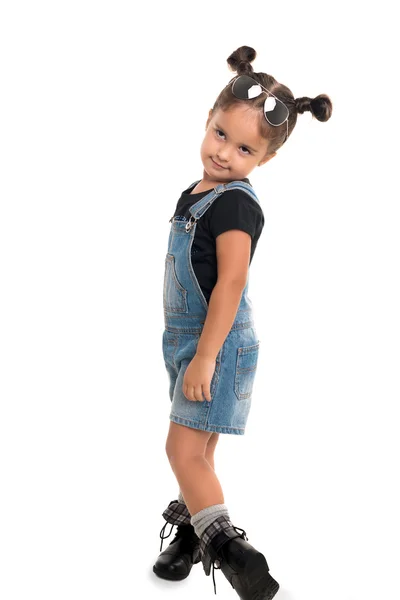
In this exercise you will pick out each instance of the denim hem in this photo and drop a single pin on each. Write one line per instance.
(213, 428)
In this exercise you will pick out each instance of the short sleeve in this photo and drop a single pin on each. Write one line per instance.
(235, 209)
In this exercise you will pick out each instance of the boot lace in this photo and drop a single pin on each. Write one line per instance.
(215, 566)
(216, 563)
(186, 533)
(164, 537)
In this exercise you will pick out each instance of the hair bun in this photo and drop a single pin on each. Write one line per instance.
(302, 104)
(320, 106)
(240, 60)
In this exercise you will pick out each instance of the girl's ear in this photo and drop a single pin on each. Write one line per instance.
(266, 159)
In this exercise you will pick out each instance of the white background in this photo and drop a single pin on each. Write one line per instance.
(103, 110)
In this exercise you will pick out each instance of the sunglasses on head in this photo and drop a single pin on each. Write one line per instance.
(275, 111)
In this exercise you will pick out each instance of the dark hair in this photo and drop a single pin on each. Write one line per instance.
(239, 61)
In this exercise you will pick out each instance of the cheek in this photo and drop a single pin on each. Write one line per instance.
(207, 143)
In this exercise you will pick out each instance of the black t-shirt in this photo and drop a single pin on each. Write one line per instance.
(233, 209)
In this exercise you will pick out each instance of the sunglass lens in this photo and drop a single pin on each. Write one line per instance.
(275, 111)
(245, 87)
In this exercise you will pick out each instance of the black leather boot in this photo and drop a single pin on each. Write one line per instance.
(176, 561)
(246, 569)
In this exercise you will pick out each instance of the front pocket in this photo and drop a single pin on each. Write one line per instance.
(246, 364)
(174, 295)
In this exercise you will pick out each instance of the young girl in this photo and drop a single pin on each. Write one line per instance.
(210, 344)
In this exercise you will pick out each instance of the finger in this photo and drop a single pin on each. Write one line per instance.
(207, 392)
(190, 392)
(198, 394)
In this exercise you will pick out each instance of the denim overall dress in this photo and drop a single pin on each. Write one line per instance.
(185, 311)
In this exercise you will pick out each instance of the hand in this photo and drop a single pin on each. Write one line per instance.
(197, 378)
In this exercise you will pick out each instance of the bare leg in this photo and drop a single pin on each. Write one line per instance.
(186, 449)
(210, 449)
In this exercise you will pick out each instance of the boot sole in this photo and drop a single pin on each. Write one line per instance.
(255, 580)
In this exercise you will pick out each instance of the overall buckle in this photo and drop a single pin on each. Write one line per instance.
(190, 223)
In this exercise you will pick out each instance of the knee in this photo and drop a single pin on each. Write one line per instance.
(177, 454)
(171, 449)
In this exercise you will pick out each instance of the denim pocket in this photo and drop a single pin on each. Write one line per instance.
(246, 364)
(174, 295)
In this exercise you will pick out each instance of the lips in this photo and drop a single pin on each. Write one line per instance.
(220, 166)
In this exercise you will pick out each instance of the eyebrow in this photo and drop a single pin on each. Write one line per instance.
(246, 145)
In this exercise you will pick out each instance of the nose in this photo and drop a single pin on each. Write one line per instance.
(222, 156)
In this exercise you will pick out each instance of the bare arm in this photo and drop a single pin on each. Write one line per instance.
(233, 258)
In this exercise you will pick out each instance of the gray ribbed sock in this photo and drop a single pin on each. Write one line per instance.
(181, 498)
(206, 516)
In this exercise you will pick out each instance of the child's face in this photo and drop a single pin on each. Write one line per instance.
(233, 141)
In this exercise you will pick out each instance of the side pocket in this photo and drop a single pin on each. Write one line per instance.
(174, 295)
(246, 365)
